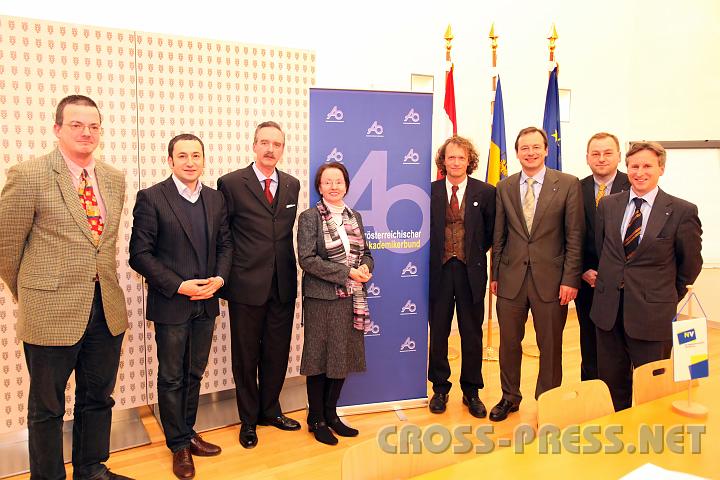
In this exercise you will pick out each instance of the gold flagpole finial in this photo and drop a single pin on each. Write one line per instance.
(552, 36)
(448, 42)
(493, 37)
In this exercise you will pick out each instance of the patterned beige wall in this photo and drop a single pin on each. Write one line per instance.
(149, 88)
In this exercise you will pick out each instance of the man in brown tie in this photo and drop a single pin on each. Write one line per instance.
(462, 215)
(60, 215)
(649, 246)
(536, 263)
(603, 156)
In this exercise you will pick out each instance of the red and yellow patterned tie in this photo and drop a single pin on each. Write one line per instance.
(90, 205)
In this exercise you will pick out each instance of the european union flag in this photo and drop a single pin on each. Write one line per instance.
(497, 158)
(551, 122)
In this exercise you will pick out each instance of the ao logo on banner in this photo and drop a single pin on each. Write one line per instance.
(335, 115)
(409, 270)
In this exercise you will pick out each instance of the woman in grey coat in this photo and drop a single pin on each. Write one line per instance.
(336, 261)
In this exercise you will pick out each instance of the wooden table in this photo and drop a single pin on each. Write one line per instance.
(506, 463)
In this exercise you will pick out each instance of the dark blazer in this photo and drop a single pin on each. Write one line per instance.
(620, 184)
(479, 222)
(554, 249)
(320, 275)
(262, 237)
(654, 280)
(161, 245)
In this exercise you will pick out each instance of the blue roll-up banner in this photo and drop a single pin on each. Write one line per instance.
(384, 140)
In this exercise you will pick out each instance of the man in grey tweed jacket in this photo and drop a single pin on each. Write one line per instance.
(57, 256)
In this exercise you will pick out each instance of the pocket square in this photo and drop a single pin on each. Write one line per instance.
(290, 206)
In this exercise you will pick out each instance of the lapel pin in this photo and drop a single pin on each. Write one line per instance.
(475, 204)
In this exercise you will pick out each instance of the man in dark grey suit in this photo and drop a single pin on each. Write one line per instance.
(649, 247)
(181, 244)
(536, 263)
(462, 215)
(603, 156)
(262, 205)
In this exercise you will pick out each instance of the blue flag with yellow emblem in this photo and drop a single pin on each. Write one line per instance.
(497, 158)
(551, 123)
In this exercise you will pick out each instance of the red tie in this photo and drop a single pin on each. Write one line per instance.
(268, 193)
(454, 204)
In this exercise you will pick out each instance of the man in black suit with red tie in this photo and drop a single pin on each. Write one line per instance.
(181, 244)
(649, 247)
(603, 156)
(462, 218)
(262, 205)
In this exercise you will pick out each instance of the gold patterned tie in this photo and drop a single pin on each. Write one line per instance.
(529, 204)
(601, 193)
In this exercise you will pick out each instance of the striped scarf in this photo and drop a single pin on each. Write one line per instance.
(336, 253)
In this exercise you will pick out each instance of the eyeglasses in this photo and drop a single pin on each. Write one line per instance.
(329, 183)
(77, 127)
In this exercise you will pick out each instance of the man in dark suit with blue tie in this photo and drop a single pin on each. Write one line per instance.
(181, 244)
(262, 205)
(603, 156)
(462, 218)
(649, 247)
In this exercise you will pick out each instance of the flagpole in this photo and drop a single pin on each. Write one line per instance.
(450, 77)
(453, 354)
(490, 353)
(449, 98)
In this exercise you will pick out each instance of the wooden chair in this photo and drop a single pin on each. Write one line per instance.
(654, 380)
(574, 403)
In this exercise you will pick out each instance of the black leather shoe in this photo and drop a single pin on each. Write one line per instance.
(475, 406)
(282, 422)
(502, 409)
(108, 475)
(183, 466)
(201, 448)
(248, 436)
(322, 433)
(341, 429)
(438, 402)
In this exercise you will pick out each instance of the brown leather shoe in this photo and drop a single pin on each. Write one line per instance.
(201, 448)
(183, 466)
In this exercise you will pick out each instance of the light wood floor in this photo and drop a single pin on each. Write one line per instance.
(296, 455)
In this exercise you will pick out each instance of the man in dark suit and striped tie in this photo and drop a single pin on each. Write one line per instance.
(649, 246)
